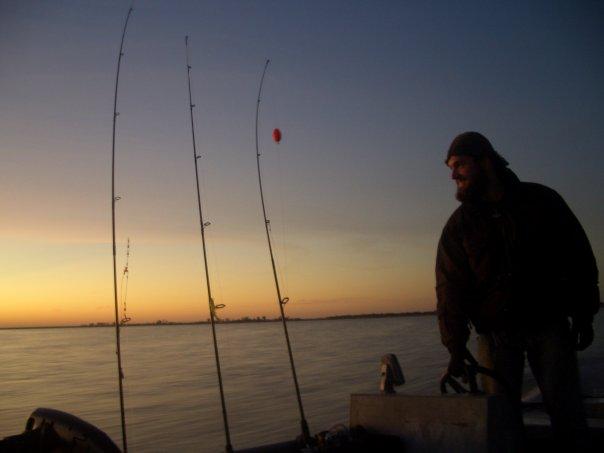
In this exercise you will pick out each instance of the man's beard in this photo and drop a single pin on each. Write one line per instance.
(474, 190)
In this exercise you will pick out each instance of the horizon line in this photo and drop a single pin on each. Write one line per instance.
(245, 319)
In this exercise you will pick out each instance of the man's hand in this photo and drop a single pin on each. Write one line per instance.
(582, 334)
(457, 365)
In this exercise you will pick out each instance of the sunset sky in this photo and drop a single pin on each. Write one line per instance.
(368, 95)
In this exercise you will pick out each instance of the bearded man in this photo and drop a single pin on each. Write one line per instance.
(514, 262)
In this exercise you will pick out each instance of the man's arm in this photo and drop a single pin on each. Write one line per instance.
(453, 292)
(582, 278)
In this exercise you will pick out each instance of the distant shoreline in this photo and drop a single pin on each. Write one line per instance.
(243, 320)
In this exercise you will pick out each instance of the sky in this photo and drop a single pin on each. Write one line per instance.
(368, 95)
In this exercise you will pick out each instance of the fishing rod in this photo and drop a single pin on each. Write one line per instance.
(114, 199)
(281, 300)
(124, 288)
(203, 225)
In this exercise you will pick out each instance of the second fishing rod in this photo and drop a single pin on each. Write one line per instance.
(281, 300)
(213, 307)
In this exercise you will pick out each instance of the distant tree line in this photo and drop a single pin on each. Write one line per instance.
(247, 319)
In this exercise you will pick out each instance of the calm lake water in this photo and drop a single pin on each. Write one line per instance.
(171, 392)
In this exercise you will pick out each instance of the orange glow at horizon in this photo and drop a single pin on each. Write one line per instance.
(72, 284)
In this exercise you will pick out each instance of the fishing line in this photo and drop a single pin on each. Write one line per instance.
(215, 271)
(283, 269)
(282, 266)
(278, 226)
(203, 225)
(114, 199)
(124, 288)
(281, 300)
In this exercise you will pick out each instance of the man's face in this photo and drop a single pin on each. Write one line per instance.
(469, 177)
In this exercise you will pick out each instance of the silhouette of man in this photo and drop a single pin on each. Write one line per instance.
(514, 262)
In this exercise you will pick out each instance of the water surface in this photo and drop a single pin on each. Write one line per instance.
(171, 393)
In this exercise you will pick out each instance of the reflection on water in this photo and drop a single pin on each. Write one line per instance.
(171, 393)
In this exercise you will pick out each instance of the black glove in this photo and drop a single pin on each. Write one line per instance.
(582, 334)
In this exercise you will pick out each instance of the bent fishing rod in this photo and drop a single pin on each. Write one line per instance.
(114, 199)
(281, 300)
(203, 225)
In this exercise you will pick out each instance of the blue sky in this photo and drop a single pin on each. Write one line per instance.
(368, 96)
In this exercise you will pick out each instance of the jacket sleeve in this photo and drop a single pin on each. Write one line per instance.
(581, 268)
(453, 289)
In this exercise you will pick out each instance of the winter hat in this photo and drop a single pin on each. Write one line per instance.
(477, 145)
